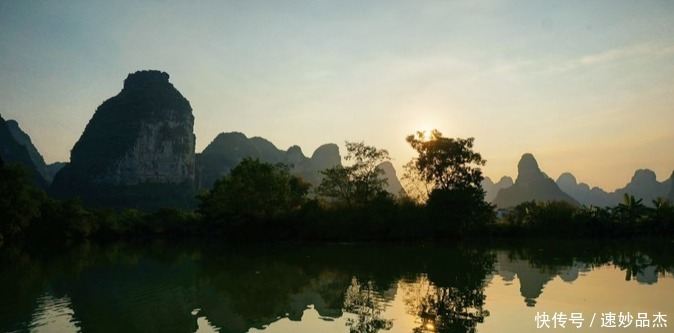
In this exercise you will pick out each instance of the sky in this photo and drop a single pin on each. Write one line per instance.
(587, 87)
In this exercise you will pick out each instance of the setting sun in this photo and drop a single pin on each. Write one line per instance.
(426, 134)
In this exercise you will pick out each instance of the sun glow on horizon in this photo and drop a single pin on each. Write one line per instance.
(427, 133)
(426, 128)
(583, 94)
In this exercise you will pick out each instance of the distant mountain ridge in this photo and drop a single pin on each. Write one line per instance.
(228, 149)
(583, 193)
(137, 151)
(643, 185)
(491, 189)
(531, 184)
(144, 136)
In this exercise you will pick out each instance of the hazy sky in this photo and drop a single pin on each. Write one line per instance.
(585, 86)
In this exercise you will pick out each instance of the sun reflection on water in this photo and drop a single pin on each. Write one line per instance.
(54, 314)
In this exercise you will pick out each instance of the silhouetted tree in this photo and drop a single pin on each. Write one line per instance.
(593, 221)
(523, 214)
(452, 168)
(447, 163)
(359, 183)
(630, 213)
(253, 190)
(450, 298)
(416, 187)
(20, 201)
(363, 301)
(661, 219)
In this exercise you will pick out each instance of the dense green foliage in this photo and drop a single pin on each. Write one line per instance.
(456, 211)
(253, 190)
(19, 200)
(27, 213)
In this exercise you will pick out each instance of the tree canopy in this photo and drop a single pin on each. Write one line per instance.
(359, 183)
(446, 163)
(20, 201)
(451, 169)
(253, 189)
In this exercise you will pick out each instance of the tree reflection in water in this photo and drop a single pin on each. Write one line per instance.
(444, 309)
(450, 297)
(155, 287)
(363, 301)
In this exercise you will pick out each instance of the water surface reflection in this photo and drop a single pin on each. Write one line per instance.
(335, 288)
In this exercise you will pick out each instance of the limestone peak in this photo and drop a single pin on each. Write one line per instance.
(143, 78)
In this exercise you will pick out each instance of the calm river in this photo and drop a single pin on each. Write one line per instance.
(540, 286)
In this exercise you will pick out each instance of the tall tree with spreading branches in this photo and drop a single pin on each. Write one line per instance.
(359, 183)
(446, 163)
(451, 169)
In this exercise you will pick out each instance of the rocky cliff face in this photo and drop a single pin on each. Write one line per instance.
(294, 157)
(15, 151)
(53, 169)
(393, 184)
(528, 171)
(326, 156)
(24, 139)
(140, 139)
(163, 152)
(46, 171)
(531, 184)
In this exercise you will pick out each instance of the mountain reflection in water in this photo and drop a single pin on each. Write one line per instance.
(335, 288)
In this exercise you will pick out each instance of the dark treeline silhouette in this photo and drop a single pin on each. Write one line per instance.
(259, 201)
(560, 218)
